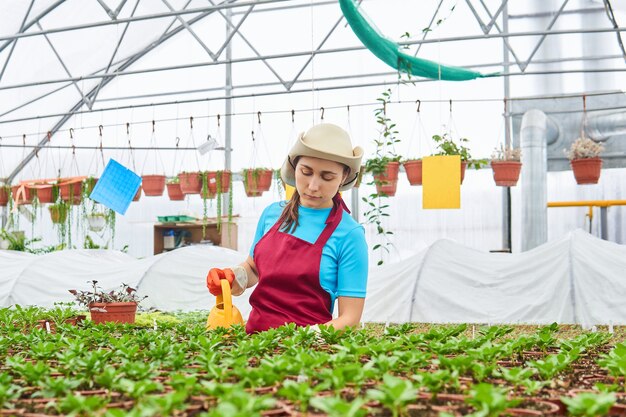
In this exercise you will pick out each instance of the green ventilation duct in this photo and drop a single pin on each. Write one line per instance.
(389, 51)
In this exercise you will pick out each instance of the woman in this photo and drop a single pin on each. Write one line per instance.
(307, 252)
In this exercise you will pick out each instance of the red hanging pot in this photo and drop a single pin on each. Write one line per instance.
(413, 170)
(153, 185)
(506, 173)
(212, 182)
(387, 182)
(190, 182)
(71, 190)
(174, 192)
(587, 170)
(257, 181)
(463, 168)
(21, 194)
(44, 193)
(4, 196)
(137, 194)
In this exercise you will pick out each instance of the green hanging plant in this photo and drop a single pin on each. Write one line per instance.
(204, 194)
(218, 184)
(377, 166)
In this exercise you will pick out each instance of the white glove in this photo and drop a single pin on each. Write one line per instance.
(317, 333)
(241, 276)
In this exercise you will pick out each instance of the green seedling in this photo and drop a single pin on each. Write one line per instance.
(394, 394)
(488, 400)
(589, 404)
(337, 407)
(300, 393)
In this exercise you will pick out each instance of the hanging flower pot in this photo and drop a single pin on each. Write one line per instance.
(463, 168)
(58, 212)
(71, 190)
(21, 194)
(190, 182)
(174, 192)
(4, 195)
(43, 192)
(387, 182)
(137, 194)
(153, 185)
(256, 181)
(413, 170)
(224, 182)
(587, 170)
(96, 222)
(506, 173)
(113, 312)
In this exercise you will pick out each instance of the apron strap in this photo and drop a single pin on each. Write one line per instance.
(333, 220)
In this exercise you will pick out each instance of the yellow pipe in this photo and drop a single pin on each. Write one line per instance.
(591, 203)
(590, 213)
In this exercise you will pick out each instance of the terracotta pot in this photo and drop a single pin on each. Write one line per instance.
(74, 190)
(212, 182)
(153, 185)
(4, 196)
(137, 194)
(587, 170)
(387, 182)
(413, 170)
(534, 407)
(506, 173)
(113, 312)
(44, 194)
(46, 326)
(21, 197)
(256, 185)
(190, 182)
(463, 168)
(174, 192)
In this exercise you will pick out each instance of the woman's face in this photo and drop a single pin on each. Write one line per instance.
(318, 180)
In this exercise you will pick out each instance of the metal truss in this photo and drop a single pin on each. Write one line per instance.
(243, 9)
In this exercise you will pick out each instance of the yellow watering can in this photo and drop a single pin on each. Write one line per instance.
(224, 314)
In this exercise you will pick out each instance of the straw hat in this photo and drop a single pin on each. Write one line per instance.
(325, 141)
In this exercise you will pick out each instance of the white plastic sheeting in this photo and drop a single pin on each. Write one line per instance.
(577, 279)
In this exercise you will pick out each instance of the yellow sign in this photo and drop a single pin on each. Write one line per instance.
(289, 191)
(441, 182)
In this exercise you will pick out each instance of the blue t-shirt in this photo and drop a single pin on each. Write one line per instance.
(343, 268)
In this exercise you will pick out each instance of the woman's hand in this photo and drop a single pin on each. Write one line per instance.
(239, 277)
(350, 311)
(214, 277)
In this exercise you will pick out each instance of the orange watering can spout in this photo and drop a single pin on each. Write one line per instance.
(224, 314)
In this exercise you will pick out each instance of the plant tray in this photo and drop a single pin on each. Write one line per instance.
(175, 219)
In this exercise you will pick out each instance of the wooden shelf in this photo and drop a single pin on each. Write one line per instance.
(225, 237)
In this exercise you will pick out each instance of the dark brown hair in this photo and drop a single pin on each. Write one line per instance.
(289, 217)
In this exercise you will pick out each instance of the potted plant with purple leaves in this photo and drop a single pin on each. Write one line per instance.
(119, 306)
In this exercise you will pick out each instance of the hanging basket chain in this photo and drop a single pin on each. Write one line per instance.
(261, 138)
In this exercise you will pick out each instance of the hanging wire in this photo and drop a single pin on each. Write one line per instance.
(157, 157)
(419, 131)
(353, 105)
(583, 123)
(261, 138)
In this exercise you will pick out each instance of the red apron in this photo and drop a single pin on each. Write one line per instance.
(289, 289)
